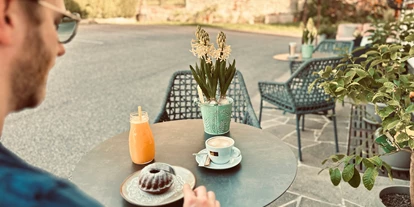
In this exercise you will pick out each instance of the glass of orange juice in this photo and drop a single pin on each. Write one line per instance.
(141, 140)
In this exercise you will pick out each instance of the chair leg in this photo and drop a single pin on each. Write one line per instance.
(303, 122)
(298, 133)
(260, 113)
(335, 130)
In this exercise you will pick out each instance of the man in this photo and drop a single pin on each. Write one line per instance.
(32, 34)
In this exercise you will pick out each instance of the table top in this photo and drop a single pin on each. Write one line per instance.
(266, 171)
(298, 56)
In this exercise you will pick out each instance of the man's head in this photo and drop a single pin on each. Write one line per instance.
(29, 45)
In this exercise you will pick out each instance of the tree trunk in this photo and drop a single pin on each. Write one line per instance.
(305, 12)
(318, 23)
(412, 180)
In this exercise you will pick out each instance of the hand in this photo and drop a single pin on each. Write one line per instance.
(199, 197)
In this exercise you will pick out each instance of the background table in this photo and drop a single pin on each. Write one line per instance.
(285, 56)
(266, 171)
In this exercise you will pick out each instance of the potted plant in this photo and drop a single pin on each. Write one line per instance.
(213, 73)
(377, 76)
(308, 37)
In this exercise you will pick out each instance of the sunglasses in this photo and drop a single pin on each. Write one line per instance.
(68, 25)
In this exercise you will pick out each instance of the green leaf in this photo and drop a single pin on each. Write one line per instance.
(411, 144)
(393, 56)
(404, 78)
(389, 85)
(381, 94)
(389, 120)
(376, 62)
(348, 172)
(324, 161)
(371, 71)
(391, 125)
(336, 157)
(385, 112)
(339, 89)
(411, 51)
(409, 38)
(347, 159)
(361, 73)
(403, 59)
(372, 52)
(388, 168)
(367, 163)
(355, 180)
(402, 137)
(409, 109)
(393, 103)
(369, 178)
(358, 160)
(327, 72)
(335, 176)
(395, 48)
(376, 160)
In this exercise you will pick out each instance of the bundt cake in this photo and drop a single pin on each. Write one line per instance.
(156, 178)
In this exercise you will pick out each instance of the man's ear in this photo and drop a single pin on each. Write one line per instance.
(5, 22)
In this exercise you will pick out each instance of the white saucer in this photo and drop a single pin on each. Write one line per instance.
(233, 162)
(131, 193)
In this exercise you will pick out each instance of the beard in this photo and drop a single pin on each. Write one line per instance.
(29, 73)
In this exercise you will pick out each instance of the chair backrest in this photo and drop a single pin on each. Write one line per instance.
(299, 82)
(182, 91)
(335, 47)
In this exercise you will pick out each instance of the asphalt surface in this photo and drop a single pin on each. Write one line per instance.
(107, 71)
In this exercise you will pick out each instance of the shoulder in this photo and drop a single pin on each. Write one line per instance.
(24, 185)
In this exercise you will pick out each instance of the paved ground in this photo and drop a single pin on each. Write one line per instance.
(310, 189)
(109, 70)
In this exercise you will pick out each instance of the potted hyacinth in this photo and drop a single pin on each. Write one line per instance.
(308, 37)
(213, 73)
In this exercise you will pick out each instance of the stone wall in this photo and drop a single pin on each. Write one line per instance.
(233, 11)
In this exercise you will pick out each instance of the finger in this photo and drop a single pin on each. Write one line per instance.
(187, 190)
(189, 196)
(201, 191)
(217, 204)
(211, 196)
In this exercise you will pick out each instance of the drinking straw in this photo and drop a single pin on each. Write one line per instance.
(139, 113)
(200, 94)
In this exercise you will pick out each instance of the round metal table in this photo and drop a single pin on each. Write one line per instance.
(267, 169)
(298, 56)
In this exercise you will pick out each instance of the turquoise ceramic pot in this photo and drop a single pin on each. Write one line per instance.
(216, 118)
(307, 51)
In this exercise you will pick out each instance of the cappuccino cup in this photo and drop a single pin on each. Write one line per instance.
(220, 149)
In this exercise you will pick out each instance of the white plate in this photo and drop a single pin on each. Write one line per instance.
(131, 192)
(233, 162)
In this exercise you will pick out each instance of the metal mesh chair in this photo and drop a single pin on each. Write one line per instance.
(182, 90)
(293, 97)
(335, 47)
(327, 46)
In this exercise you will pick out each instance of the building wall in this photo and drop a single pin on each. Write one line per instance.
(234, 11)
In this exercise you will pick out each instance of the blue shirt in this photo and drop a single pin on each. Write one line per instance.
(22, 185)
